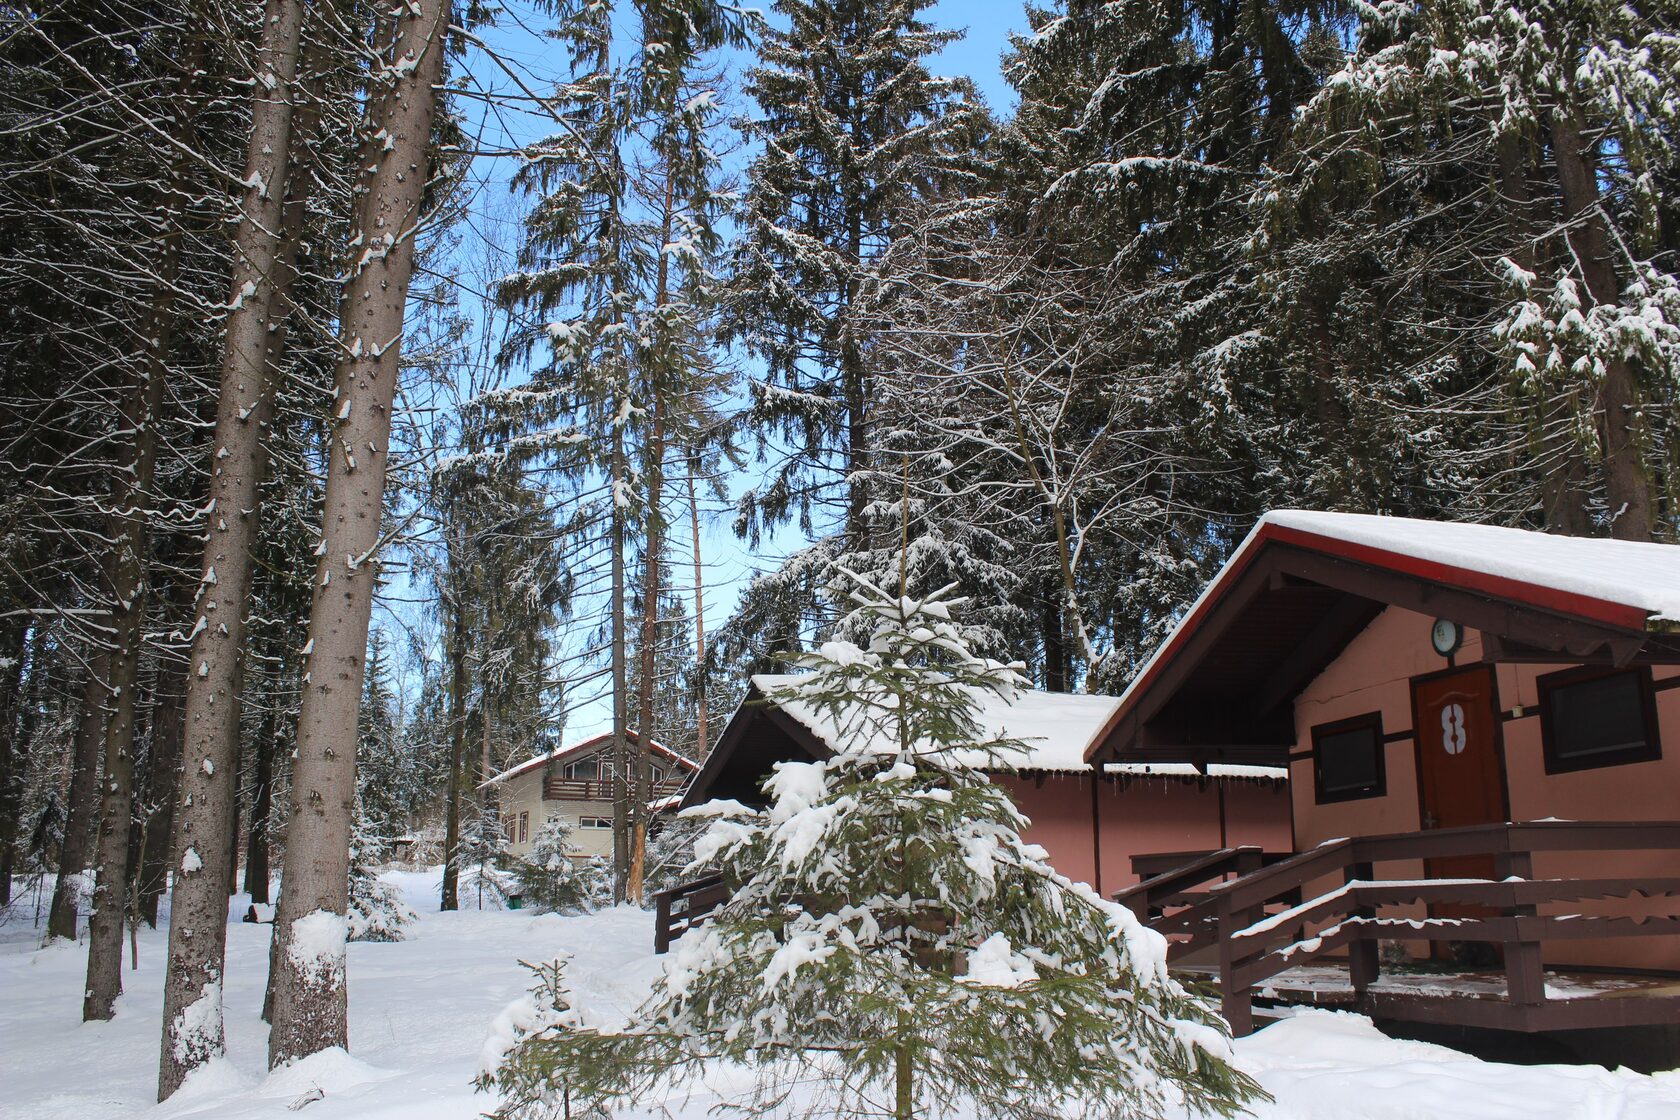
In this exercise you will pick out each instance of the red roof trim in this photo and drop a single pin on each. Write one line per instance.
(1619, 615)
(1502, 587)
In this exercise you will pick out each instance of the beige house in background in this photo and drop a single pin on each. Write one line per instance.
(575, 783)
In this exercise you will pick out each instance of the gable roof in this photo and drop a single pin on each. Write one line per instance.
(1057, 729)
(1304, 584)
(578, 750)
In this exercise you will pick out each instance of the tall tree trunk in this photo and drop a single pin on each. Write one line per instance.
(12, 636)
(699, 618)
(653, 550)
(1627, 485)
(451, 890)
(163, 773)
(310, 1006)
(128, 591)
(257, 873)
(82, 800)
(192, 1009)
(620, 685)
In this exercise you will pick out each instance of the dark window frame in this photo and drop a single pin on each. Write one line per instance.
(1649, 751)
(1371, 721)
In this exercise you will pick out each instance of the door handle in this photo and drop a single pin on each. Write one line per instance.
(1429, 820)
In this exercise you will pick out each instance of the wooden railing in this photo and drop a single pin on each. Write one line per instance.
(1257, 940)
(595, 789)
(1176, 898)
(679, 908)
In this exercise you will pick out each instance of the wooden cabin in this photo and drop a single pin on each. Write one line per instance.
(1482, 729)
(575, 783)
(1100, 824)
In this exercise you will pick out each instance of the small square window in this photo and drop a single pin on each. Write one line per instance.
(1348, 761)
(595, 822)
(1596, 717)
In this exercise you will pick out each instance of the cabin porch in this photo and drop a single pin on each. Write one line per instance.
(1307, 929)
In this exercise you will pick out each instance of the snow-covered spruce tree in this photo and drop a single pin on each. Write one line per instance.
(1520, 153)
(547, 878)
(892, 946)
(377, 912)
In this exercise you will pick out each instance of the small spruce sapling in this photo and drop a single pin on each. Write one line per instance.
(548, 879)
(377, 912)
(892, 946)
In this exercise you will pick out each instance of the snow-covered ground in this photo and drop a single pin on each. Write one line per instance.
(421, 1010)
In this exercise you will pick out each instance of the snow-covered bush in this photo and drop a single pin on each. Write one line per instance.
(670, 850)
(892, 946)
(548, 879)
(376, 912)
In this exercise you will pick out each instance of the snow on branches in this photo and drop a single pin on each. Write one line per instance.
(892, 945)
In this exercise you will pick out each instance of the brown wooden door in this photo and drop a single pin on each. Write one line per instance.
(1461, 780)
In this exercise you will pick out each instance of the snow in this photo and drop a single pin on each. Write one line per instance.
(1630, 573)
(1057, 728)
(317, 946)
(423, 1011)
(995, 964)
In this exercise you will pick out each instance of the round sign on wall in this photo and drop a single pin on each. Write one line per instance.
(1452, 728)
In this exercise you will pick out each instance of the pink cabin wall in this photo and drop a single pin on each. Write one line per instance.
(1144, 816)
(1374, 674)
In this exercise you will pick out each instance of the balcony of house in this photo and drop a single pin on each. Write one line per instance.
(560, 788)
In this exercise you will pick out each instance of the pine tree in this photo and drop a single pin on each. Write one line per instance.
(376, 912)
(892, 945)
(1517, 151)
(854, 128)
(547, 877)
(617, 290)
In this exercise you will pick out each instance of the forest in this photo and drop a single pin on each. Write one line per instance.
(382, 383)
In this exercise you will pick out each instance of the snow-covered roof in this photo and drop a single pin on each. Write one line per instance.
(1304, 583)
(1636, 574)
(1057, 729)
(561, 754)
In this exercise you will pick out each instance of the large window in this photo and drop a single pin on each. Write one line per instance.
(1597, 717)
(1348, 759)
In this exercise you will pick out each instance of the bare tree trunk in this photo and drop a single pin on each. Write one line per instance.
(82, 799)
(12, 758)
(1627, 485)
(192, 1010)
(699, 617)
(451, 892)
(128, 591)
(620, 685)
(257, 871)
(163, 773)
(310, 1004)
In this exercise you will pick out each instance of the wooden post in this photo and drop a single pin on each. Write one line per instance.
(662, 921)
(1236, 1005)
(1362, 952)
(1525, 982)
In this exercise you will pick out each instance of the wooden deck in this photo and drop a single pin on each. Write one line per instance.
(1474, 998)
(1257, 917)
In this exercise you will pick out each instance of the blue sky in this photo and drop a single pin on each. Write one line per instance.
(978, 54)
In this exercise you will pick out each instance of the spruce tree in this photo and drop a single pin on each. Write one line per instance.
(854, 129)
(892, 946)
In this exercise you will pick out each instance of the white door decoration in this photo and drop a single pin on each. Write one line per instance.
(1452, 728)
